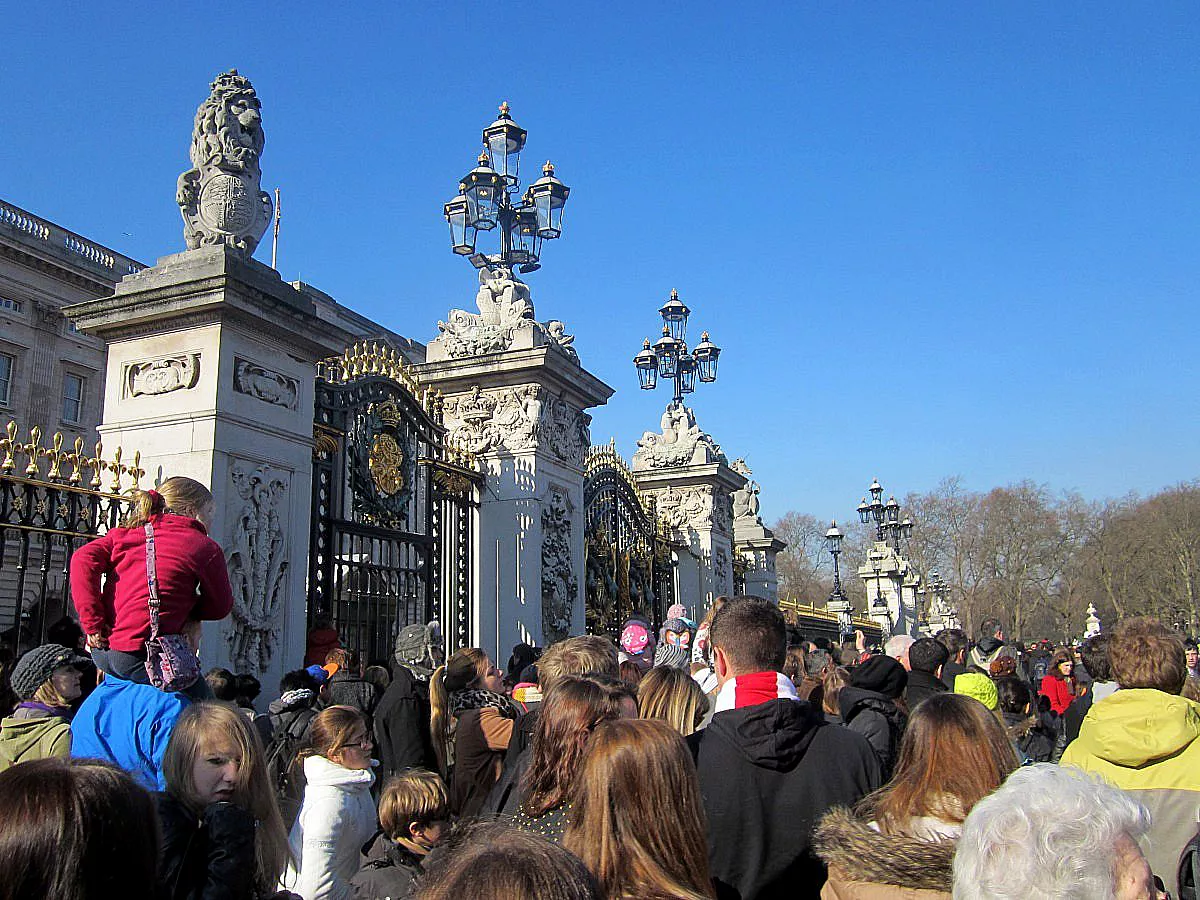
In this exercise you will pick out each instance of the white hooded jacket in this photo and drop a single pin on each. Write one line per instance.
(336, 819)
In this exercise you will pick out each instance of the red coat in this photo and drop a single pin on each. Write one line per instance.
(1061, 692)
(192, 581)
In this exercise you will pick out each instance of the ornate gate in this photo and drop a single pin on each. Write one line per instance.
(628, 561)
(392, 522)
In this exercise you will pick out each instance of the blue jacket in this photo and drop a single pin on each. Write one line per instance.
(128, 725)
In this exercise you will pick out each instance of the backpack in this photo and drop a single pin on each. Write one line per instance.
(285, 770)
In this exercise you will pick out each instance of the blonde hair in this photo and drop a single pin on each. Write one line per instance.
(179, 495)
(465, 667)
(197, 728)
(416, 795)
(674, 697)
(585, 654)
(49, 695)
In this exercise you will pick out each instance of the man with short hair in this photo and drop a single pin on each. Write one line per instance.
(989, 646)
(1145, 738)
(926, 658)
(957, 643)
(897, 648)
(769, 766)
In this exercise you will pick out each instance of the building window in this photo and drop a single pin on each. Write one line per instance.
(6, 374)
(72, 398)
(14, 305)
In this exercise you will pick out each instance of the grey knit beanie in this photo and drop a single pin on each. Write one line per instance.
(35, 668)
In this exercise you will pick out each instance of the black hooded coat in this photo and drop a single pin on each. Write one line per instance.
(767, 774)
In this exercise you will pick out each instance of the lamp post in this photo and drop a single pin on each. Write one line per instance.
(669, 357)
(838, 602)
(889, 528)
(487, 200)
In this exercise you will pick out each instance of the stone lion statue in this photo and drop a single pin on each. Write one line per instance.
(219, 196)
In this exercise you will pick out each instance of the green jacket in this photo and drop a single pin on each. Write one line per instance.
(25, 738)
(1148, 743)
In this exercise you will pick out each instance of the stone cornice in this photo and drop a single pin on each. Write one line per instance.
(545, 366)
(206, 286)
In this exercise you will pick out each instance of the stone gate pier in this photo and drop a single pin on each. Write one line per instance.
(516, 395)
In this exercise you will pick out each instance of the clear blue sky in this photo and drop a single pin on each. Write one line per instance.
(931, 238)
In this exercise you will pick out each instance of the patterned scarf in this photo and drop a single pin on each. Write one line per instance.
(477, 698)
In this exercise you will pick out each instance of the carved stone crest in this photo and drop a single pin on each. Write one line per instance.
(560, 584)
(681, 442)
(264, 384)
(220, 197)
(518, 419)
(686, 507)
(161, 376)
(257, 561)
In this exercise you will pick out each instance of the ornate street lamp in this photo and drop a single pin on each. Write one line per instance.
(838, 602)
(486, 202)
(888, 525)
(669, 357)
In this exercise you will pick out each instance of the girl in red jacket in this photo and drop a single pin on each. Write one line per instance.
(193, 584)
(1059, 684)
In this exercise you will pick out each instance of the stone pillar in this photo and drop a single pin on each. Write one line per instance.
(754, 541)
(889, 575)
(211, 375)
(686, 474)
(515, 395)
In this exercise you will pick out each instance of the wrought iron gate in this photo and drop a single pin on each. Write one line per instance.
(392, 522)
(52, 501)
(628, 559)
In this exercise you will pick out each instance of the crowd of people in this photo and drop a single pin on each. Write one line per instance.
(726, 758)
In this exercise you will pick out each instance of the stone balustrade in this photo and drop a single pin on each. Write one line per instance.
(72, 246)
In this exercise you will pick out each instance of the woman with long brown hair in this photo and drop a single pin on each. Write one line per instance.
(954, 753)
(633, 772)
(338, 814)
(222, 832)
(471, 722)
(569, 715)
(1060, 686)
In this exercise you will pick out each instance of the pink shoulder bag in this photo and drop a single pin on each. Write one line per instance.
(170, 661)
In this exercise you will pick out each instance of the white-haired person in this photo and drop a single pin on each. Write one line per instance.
(1054, 833)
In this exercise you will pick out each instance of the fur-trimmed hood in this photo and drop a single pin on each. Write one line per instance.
(861, 854)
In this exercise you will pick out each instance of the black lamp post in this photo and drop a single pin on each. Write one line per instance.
(487, 199)
(837, 602)
(886, 516)
(669, 357)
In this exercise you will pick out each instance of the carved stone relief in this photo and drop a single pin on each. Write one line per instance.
(560, 584)
(721, 566)
(518, 419)
(257, 561)
(681, 442)
(264, 384)
(220, 197)
(161, 376)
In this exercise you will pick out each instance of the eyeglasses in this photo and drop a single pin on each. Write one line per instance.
(363, 743)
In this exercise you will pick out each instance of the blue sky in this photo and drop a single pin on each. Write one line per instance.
(931, 238)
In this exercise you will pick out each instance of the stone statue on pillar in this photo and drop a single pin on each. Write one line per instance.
(220, 197)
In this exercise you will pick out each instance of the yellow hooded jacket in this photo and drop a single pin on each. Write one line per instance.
(1147, 742)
